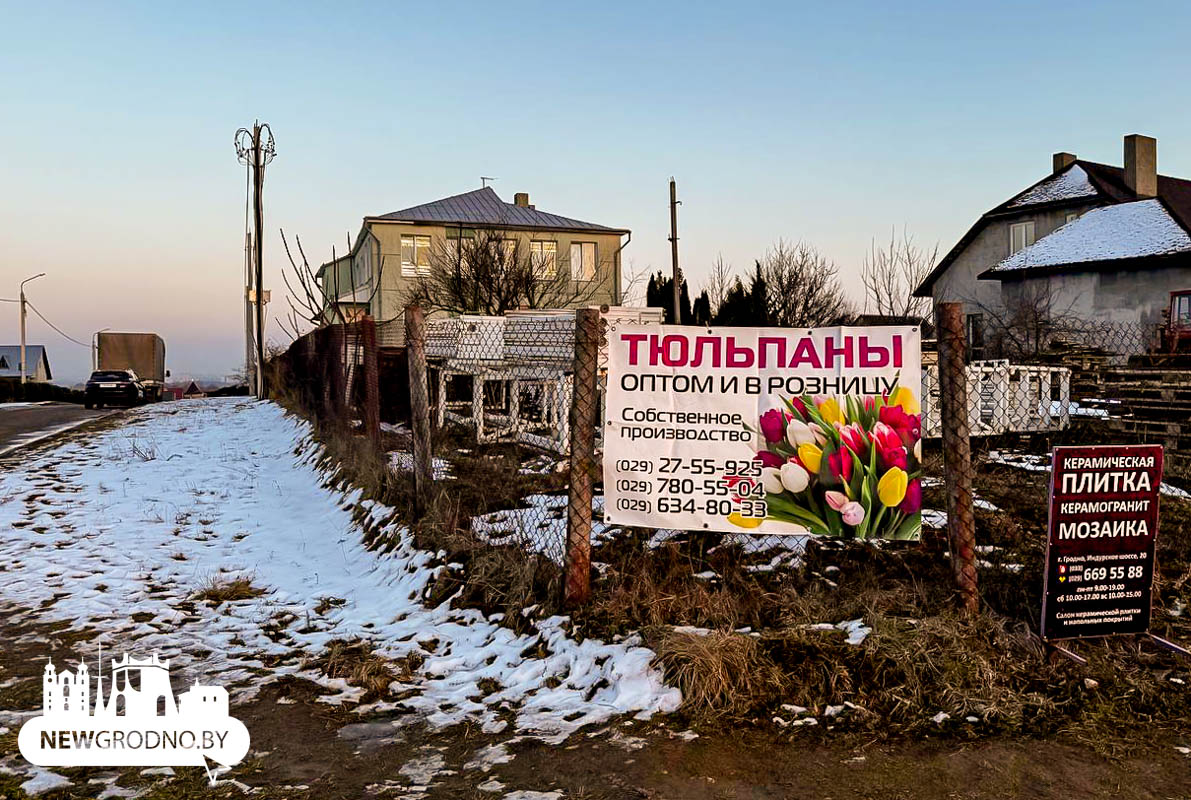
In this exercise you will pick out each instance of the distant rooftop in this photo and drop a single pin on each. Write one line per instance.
(484, 208)
(10, 360)
(1139, 229)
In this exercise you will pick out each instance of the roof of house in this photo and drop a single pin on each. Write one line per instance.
(10, 360)
(1080, 183)
(483, 207)
(1137, 230)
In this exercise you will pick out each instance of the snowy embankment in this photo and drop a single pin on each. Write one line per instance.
(124, 527)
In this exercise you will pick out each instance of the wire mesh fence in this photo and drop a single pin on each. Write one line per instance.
(505, 416)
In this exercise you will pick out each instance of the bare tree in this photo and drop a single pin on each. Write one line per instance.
(315, 302)
(1029, 324)
(490, 273)
(801, 287)
(891, 274)
(719, 282)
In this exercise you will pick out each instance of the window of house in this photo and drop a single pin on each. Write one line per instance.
(457, 238)
(544, 257)
(583, 261)
(1021, 234)
(508, 249)
(974, 325)
(1182, 311)
(415, 256)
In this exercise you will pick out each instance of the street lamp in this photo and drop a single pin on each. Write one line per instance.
(22, 301)
(95, 348)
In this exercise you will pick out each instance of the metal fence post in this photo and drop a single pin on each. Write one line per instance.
(371, 377)
(957, 451)
(583, 422)
(419, 405)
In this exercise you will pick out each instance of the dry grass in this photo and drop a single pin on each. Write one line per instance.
(719, 673)
(357, 662)
(218, 590)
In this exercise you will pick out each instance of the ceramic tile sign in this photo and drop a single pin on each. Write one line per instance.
(1100, 540)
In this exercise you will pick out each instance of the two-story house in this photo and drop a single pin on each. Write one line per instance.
(1089, 241)
(583, 258)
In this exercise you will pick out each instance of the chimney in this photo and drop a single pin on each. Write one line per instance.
(521, 199)
(1141, 165)
(1060, 162)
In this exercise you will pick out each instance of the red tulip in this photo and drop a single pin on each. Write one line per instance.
(799, 406)
(853, 436)
(908, 426)
(839, 465)
(885, 437)
(769, 459)
(773, 424)
(912, 503)
(892, 456)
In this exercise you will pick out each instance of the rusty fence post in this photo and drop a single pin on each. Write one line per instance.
(419, 405)
(957, 452)
(371, 377)
(584, 401)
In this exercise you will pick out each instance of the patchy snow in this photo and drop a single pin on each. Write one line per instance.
(856, 630)
(94, 534)
(43, 781)
(1069, 185)
(1125, 230)
(403, 461)
(539, 527)
(932, 518)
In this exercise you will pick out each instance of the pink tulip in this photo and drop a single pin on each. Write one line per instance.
(852, 513)
(853, 436)
(885, 437)
(837, 500)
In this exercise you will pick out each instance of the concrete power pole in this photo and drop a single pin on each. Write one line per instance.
(257, 149)
(674, 251)
(24, 360)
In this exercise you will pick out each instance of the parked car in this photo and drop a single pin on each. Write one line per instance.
(113, 387)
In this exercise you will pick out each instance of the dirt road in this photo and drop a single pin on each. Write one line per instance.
(22, 424)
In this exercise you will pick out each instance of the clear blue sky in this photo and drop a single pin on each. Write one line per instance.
(824, 122)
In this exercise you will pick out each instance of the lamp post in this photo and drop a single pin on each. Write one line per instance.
(256, 149)
(95, 348)
(24, 371)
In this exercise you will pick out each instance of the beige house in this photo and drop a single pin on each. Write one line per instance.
(582, 258)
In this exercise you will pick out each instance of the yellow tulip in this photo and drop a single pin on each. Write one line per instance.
(904, 396)
(831, 413)
(892, 487)
(810, 455)
(744, 522)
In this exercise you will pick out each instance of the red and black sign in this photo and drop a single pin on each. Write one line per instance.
(1100, 542)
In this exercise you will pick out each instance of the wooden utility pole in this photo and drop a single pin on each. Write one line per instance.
(957, 452)
(674, 250)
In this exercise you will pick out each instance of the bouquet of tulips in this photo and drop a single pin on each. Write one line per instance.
(847, 469)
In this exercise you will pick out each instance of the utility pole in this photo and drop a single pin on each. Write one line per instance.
(24, 362)
(674, 250)
(257, 151)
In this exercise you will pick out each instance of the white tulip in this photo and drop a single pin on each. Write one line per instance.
(798, 432)
(794, 477)
(771, 479)
(918, 450)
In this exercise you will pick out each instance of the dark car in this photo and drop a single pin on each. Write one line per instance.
(115, 387)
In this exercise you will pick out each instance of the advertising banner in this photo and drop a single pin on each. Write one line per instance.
(1100, 542)
(765, 430)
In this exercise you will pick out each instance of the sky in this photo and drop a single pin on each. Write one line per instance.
(833, 123)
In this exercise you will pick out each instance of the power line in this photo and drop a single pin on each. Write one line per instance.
(7, 300)
(55, 327)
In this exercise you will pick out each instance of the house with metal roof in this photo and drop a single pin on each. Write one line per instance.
(402, 246)
(1088, 242)
(37, 363)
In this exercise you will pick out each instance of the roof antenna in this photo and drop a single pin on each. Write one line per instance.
(484, 181)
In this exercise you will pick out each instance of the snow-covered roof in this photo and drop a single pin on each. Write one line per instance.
(1071, 184)
(1126, 230)
(10, 359)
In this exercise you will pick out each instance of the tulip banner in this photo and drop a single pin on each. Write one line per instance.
(764, 430)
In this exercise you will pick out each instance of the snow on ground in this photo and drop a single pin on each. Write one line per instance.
(1069, 185)
(403, 461)
(119, 530)
(1124, 230)
(1041, 463)
(539, 527)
